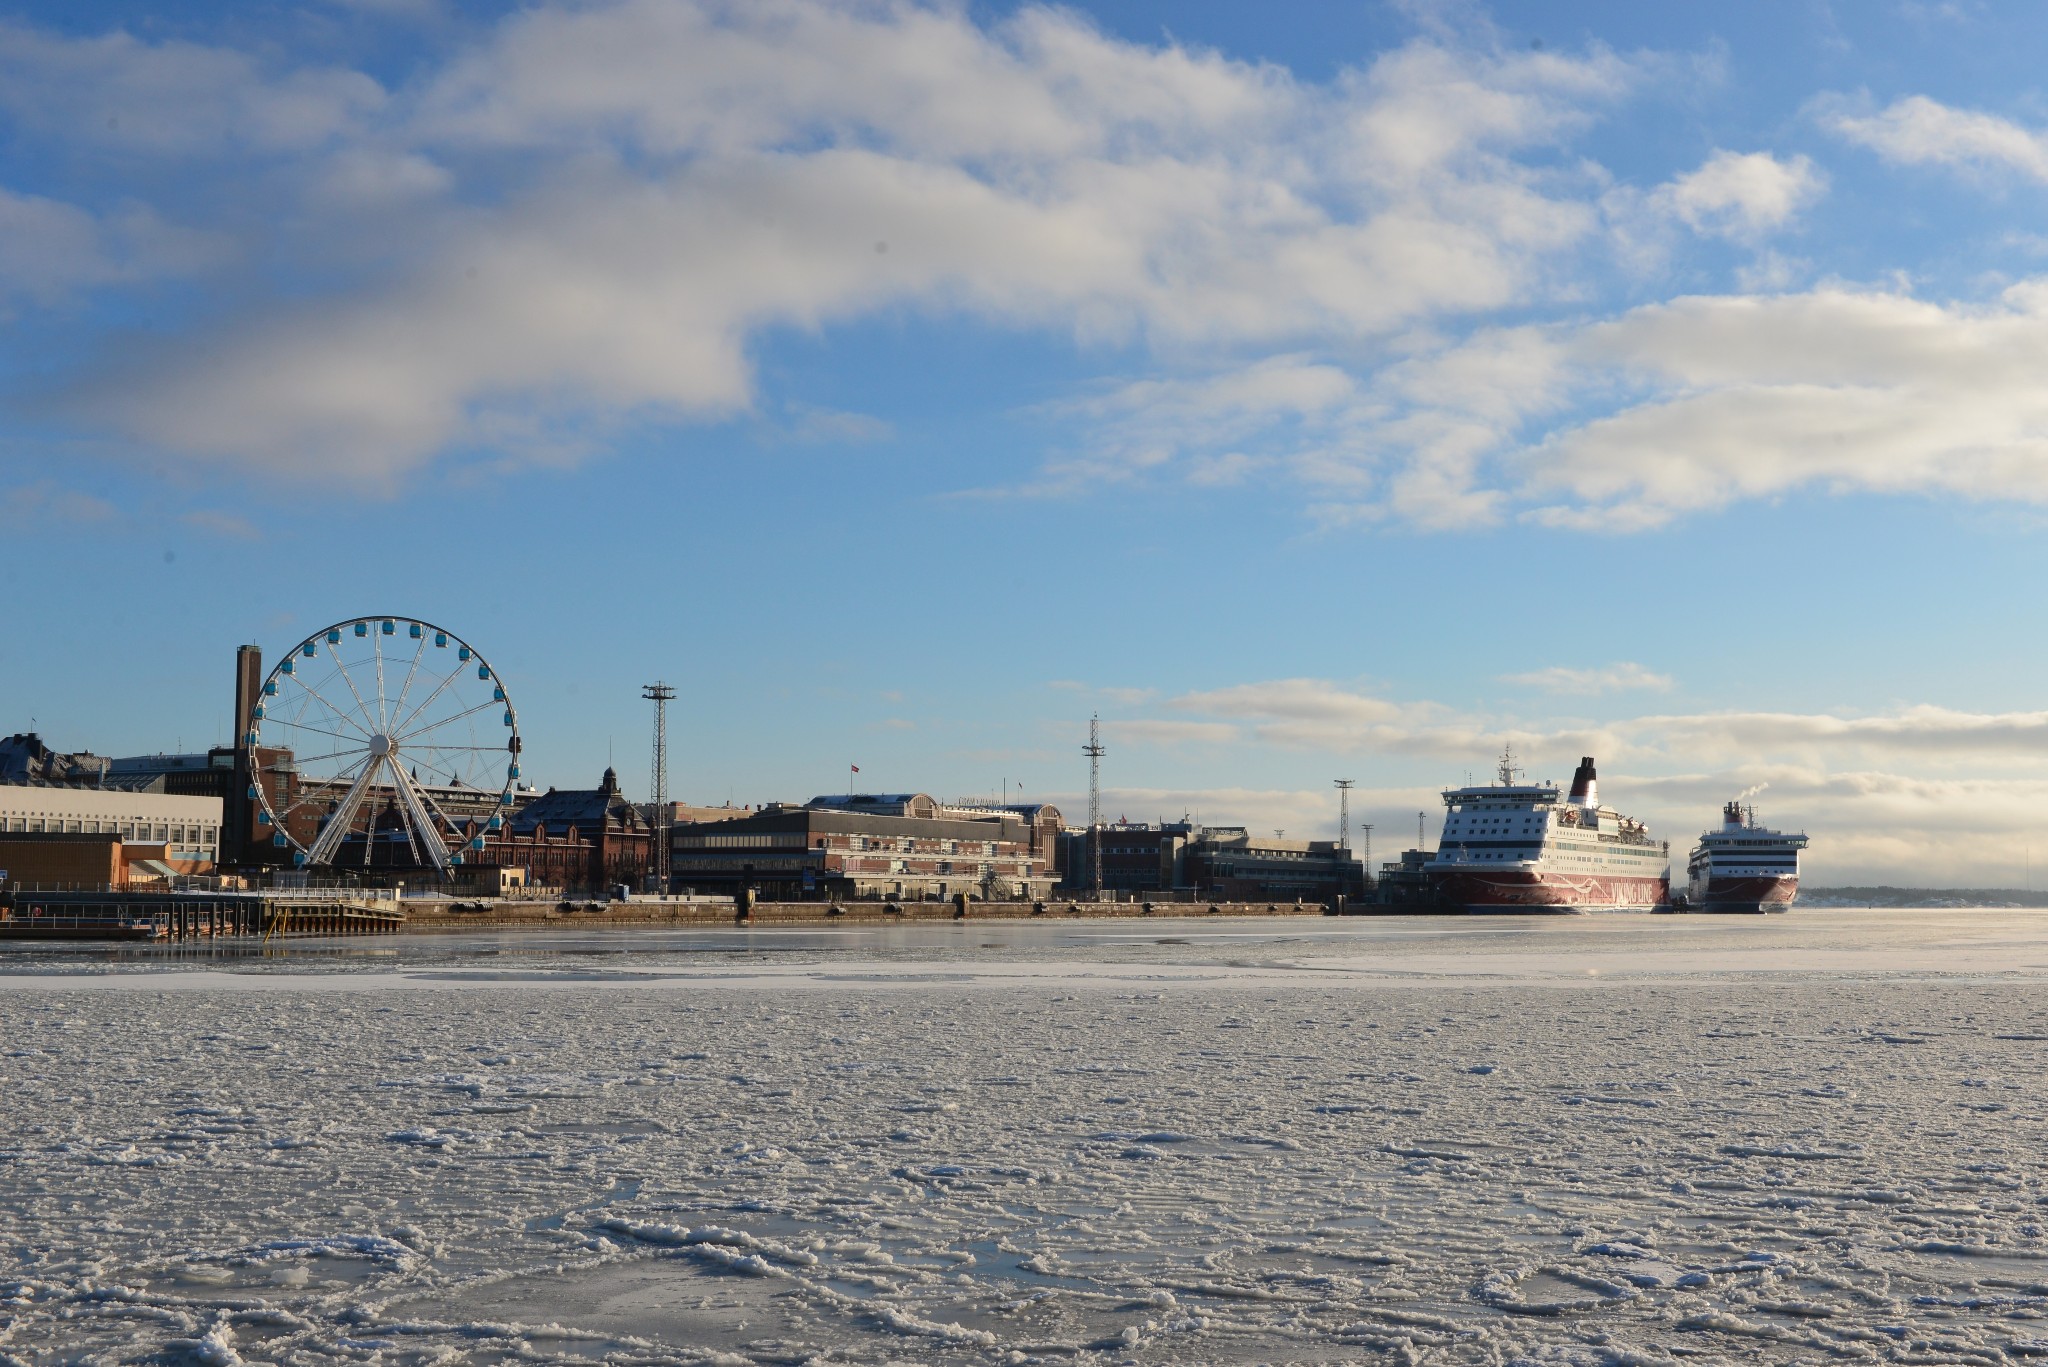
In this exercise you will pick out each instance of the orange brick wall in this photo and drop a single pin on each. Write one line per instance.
(30, 860)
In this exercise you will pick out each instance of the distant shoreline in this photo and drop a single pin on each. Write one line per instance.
(1886, 896)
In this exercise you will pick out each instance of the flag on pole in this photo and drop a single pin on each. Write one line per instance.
(854, 767)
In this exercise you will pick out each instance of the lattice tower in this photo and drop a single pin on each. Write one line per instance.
(659, 694)
(1093, 749)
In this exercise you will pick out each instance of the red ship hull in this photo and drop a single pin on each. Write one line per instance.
(1750, 895)
(1552, 893)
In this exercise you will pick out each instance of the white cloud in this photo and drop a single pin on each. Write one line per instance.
(46, 506)
(1609, 679)
(1323, 714)
(586, 217)
(1317, 714)
(1154, 731)
(173, 98)
(1743, 196)
(1696, 404)
(590, 212)
(50, 249)
(1918, 131)
(1836, 389)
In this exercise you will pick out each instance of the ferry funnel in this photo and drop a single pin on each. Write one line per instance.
(1586, 786)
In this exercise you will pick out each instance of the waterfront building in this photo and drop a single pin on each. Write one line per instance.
(575, 839)
(882, 846)
(1220, 863)
(65, 833)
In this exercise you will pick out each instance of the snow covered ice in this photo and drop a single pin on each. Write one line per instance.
(1608, 1140)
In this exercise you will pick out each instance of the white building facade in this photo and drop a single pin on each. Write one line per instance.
(188, 827)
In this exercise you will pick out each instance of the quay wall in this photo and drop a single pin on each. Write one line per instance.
(431, 918)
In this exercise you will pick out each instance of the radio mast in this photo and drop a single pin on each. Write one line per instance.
(1093, 749)
(659, 694)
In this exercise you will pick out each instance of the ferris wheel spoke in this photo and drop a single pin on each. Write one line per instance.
(447, 721)
(439, 689)
(398, 707)
(313, 796)
(442, 769)
(354, 692)
(285, 725)
(377, 649)
(332, 754)
(314, 695)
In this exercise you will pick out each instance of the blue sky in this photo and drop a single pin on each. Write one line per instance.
(1313, 390)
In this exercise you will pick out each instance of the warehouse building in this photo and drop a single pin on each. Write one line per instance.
(1222, 863)
(879, 846)
(59, 834)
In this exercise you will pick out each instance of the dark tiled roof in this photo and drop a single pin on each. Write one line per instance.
(587, 809)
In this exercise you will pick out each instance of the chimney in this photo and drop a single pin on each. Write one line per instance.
(1586, 786)
(248, 682)
(239, 811)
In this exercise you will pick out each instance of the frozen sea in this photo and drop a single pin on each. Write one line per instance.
(1809, 1138)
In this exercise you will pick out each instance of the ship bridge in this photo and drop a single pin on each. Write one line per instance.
(1507, 794)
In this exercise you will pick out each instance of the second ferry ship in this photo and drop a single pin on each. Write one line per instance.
(1744, 866)
(1513, 846)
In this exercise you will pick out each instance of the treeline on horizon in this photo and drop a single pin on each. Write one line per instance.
(1887, 896)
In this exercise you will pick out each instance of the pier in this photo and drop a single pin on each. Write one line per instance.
(118, 914)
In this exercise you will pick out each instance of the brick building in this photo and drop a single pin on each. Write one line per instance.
(879, 846)
(576, 839)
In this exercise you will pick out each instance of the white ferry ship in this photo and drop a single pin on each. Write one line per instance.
(1744, 867)
(1514, 846)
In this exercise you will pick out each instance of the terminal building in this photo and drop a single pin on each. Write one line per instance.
(61, 834)
(879, 846)
(1219, 863)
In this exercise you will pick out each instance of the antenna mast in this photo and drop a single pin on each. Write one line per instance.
(1093, 749)
(1344, 815)
(659, 694)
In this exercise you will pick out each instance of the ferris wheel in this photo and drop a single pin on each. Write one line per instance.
(382, 742)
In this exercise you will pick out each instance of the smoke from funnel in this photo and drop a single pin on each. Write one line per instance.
(1748, 793)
